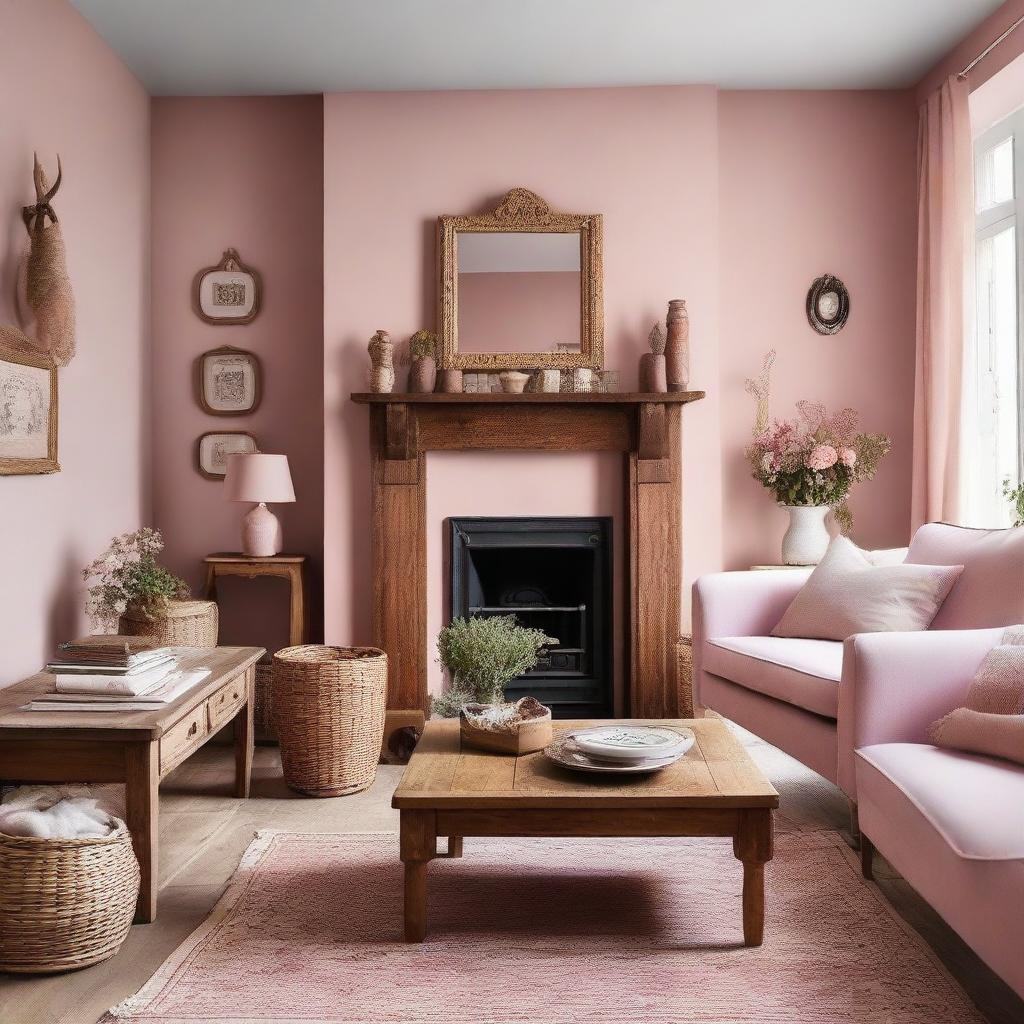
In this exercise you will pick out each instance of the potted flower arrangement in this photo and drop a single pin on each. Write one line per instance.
(481, 655)
(423, 356)
(810, 464)
(130, 591)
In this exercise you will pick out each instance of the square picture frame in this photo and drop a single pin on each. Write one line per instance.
(28, 414)
(229, 381)
(228, 292)
(213, 448)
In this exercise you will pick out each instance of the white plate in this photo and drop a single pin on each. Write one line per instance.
(565, 751)
(632, 743)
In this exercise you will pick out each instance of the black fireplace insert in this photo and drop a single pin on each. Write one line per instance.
(553, 574)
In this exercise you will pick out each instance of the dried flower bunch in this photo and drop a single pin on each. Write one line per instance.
(481, 656)
(127, 575)
(816, 458)
(423, 344)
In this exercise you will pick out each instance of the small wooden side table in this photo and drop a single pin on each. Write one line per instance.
(289, 567)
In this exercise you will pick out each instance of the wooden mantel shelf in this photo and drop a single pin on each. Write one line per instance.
(644, 428)
(535, 398)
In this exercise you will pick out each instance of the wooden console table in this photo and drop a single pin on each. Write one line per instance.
(289, 567)
(137, 748)
(645, 428)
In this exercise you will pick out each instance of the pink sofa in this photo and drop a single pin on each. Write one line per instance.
(952, 824)
(801, 695)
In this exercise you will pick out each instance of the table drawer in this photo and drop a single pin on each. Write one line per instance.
(182, 738)
(225, 702)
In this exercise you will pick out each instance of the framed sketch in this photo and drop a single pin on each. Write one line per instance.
(828, 304)
(228, 293)
(228, 381)
(28, 414)
(213, 449)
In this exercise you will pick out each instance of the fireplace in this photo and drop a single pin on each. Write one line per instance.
(553, 574)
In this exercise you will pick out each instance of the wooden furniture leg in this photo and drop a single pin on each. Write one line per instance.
(867, 858)
(752, 845)
(245, 738)
(418, 842)
(455, 846)
(142, 795)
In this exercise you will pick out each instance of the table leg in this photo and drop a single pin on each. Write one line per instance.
(418, 847)
(752, 844)
(142, 796)
(455, 846)
(245, 737)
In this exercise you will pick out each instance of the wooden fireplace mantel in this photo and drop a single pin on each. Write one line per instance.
(645, 428)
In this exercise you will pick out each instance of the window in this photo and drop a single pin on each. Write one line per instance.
(992, 379)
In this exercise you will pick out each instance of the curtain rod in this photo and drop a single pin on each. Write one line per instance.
(988, 49)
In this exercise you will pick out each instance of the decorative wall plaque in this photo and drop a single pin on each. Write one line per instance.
(828, 305)
(228, 293)
(228, 381)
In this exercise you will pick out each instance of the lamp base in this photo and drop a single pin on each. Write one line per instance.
(261, 533)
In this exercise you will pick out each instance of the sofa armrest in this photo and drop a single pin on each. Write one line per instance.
(739, 604)
(894, 685)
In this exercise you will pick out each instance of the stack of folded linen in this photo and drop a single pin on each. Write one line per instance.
(114, 673)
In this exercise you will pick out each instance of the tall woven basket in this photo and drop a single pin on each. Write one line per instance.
(186, 624)
(328, 709)
(65, 903)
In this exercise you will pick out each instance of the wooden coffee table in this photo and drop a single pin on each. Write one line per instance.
(715, 790)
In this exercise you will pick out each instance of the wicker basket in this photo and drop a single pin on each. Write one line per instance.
(186, 624)
(65, 903)
(263, 718)
(328, 708)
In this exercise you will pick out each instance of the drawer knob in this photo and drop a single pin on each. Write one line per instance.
(193, 729)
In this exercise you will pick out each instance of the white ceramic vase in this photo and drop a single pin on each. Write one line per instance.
(807, 538)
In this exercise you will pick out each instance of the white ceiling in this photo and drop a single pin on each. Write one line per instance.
(240, 47)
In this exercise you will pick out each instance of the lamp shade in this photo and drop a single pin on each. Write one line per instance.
(258, 477)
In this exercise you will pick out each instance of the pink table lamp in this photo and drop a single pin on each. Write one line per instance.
(259, 478)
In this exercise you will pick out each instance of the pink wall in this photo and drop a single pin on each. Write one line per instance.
(246, 173)
(519, 312)
(394, 161)
(64, 90)
(813, 183)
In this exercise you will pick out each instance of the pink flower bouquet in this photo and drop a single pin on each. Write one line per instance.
(816, 458)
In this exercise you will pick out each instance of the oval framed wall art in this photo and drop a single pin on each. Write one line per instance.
(828, 304)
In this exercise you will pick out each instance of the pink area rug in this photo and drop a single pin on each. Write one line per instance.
(541, 931)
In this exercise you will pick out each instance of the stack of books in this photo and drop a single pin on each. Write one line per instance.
(114, 673)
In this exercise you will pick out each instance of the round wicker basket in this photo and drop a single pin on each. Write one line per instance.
(65, 903)
(328, 708)
(186, 624)
(263, 718)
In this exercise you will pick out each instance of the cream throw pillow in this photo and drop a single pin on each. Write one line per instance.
(848, 593)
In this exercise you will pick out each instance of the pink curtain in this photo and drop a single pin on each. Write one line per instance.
(945, 276)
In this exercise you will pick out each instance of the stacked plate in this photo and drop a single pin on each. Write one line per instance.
(621, 749)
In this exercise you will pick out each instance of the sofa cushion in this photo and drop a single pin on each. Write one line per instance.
(848, 594)
(804, 673)
(990, 590)
(975, 803)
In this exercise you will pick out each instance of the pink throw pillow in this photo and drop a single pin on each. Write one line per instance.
(848, 593)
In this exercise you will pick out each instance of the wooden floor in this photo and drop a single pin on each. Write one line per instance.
(204, 832)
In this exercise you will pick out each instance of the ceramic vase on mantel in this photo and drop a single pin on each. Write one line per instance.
(423, 375)
(807, 539)
(677, 345)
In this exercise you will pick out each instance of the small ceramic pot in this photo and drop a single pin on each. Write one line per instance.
(653, 375)
(550, 381)
(607, 381)
(582, 380)
(513, 382)
(451, 382)
(423, 375)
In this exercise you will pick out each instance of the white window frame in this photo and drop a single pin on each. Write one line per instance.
(996, 219)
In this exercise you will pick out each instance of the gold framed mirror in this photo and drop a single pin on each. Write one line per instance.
(520, 288)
